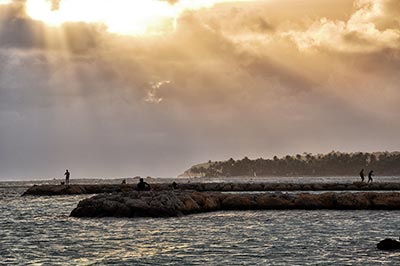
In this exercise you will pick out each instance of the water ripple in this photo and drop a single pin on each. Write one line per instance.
(38, 231)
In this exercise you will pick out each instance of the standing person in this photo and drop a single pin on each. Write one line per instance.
(67, 174)
(370, 175)
(362, 175)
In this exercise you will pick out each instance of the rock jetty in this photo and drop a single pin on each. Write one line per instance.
(46, 190)
(177, 203)
(52, 190)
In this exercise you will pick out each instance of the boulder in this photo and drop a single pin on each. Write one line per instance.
(388, 201)
(309, 201)
(272, 201)
(353, 201)
(388, 244)
(205, 201)
(189, 205)
(238, 202)
(227, 187)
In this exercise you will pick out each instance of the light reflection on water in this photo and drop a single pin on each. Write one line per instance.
(37, 230)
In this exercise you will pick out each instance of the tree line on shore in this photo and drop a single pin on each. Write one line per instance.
(306, 164)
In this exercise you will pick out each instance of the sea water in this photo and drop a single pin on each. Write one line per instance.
(39, 231)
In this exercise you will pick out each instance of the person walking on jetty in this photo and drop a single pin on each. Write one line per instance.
(67, 174)
(370, 175)
(142, 186)
(362, 175)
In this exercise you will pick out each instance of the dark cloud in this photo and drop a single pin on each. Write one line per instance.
(19, 31)
(82, 37)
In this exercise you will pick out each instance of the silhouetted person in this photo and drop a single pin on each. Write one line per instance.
(142, 186)
(362, 175)
(370, 175)
(174, 185)
(123, 182)
(67, 174)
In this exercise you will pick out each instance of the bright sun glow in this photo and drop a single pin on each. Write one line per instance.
(120, 16)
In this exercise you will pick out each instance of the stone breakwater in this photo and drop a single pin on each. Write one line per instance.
(177, 203)
(52, 190)
(46, 190)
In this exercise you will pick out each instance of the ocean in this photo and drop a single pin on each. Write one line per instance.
(39, 231)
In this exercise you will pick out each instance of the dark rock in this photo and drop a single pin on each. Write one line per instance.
(388, 244)
(138, 204)
(238, 202)
(273, 201)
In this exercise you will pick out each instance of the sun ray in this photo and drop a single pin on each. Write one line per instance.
(120, 16)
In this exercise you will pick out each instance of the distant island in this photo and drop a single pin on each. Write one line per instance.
(306, 164)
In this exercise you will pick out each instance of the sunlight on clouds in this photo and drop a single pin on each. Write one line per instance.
(360, 33)
(151, 96)
(120, 16)
(231, 79)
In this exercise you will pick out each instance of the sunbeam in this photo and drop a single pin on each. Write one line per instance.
(120, 16)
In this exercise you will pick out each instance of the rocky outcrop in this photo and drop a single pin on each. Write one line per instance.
(176, 203)
(388, 244)
(101, 188)
(146, 204)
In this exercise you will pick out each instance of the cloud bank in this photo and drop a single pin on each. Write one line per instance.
(236, 79)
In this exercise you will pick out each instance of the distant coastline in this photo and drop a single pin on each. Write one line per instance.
(306, 164)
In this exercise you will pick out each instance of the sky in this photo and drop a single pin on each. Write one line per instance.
(125, 88)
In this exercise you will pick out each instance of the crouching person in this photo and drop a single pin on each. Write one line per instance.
(142, 186)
